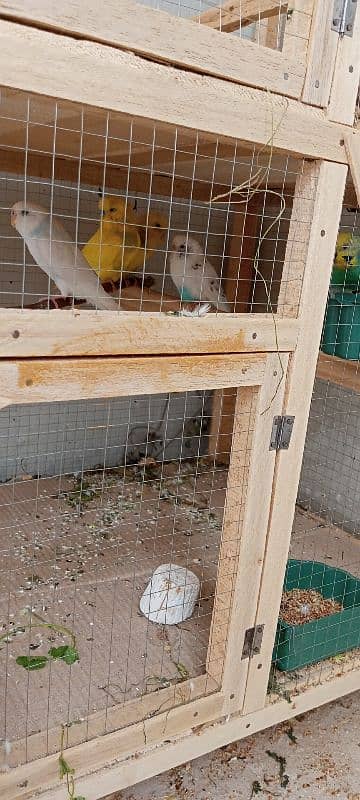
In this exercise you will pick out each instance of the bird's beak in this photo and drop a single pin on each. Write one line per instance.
(13, 219)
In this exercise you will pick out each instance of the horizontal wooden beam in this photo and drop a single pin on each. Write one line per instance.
(168, 38)
(340, 371)
(95, 333)
(47, 380)
(40, 779)
(116, 717)
(231, 15)
(167, 94)
(146, 181)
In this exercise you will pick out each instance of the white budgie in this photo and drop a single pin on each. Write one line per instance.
(194, 277)
(56, 254)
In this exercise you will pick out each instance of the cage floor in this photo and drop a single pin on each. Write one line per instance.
(80, 555)
(315, 540)
(86, 568)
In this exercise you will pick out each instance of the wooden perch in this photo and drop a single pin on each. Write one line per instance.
(132, 298)
(233, 15)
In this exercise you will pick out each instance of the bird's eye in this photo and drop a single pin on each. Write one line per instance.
(24, 213)
(112, 210)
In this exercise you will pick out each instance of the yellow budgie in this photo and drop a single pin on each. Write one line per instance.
(125, 239)
(110, 250)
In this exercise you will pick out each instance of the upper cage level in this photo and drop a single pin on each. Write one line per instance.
(150, 216)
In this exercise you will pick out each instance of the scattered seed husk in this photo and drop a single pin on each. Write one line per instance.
(305, 605)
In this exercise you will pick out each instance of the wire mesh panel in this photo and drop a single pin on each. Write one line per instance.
(101, 210)
(267, 22)
(112, 514)
(318, 632)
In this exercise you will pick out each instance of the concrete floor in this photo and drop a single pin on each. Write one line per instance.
(322, 762)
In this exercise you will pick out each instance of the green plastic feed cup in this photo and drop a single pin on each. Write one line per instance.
(341, 331)
(331, 322)
(299, 645)
(348, 338)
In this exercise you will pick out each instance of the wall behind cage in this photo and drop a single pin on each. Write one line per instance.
(52, 439)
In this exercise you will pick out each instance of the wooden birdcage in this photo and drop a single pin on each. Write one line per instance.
(145, 435)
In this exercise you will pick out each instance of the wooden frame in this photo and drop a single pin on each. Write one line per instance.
(203, 738)
(92, 333)
(159, 35)
(220, 352)
(172, 96)
(339, 371)
(259, 396)
(330, 190)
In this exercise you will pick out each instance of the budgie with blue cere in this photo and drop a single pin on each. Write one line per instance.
(56, 254)
(346, 269)
(194, 276)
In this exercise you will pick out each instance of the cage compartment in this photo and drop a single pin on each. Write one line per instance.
(97, 496)
(62, 156)
(299, 645)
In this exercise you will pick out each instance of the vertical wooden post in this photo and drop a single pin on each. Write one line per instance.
(322, 52)
(245, 527)
(346, 79)
(297, 29)
(321, 191)
(239, 278)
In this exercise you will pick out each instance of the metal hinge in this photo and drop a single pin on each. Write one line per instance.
(281, 433)
(344, 17)
(252, 641)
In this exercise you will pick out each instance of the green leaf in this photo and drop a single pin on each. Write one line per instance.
(32, 662)
(256, 788)
(290, 733)
(79, 797)
(183, 672)
(64, 768)
(64, 653)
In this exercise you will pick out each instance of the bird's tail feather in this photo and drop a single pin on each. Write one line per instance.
(104, 302)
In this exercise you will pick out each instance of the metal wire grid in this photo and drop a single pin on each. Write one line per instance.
(78, 548)
(327, 522)
(170, 176)
(265, 23)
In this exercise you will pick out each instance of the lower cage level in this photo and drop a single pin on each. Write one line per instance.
(84, 565)
(84, 562)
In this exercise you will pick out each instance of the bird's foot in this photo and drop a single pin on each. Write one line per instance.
(56, 301)
(200, 310)
(142, 281)
(111, 286)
